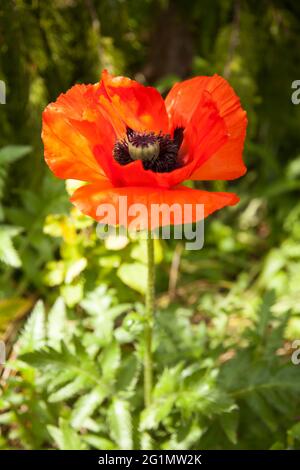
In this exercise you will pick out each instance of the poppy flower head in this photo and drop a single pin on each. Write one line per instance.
(123, 138)
(158, 152)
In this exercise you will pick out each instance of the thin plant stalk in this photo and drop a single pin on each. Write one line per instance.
(149, 320)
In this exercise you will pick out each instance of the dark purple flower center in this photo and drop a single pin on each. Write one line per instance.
(158, 152)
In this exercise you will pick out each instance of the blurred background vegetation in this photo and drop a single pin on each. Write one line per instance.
(71, 306)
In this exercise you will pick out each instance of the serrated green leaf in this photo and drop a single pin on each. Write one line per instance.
(68, 391)
(65, 437)
(128, 373)
(8, 253)
(97, 301)
(60, 378)
(56, 325)
(87, 404)
(33, 335)
(52, 360)
(152, 416)
(99, 443)
(110, 361)
(168, 381)
(264, 313)
(120, 424)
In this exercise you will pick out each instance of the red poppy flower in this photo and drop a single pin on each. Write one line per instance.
(125, 140)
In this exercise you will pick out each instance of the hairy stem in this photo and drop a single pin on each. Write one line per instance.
(148, 361)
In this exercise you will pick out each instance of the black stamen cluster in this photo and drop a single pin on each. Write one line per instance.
(166, 161)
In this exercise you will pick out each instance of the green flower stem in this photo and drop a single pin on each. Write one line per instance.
(148, 361)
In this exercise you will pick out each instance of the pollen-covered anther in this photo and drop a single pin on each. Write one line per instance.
(146, 152)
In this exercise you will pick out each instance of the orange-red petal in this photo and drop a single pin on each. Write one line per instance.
(71, 127)
(183, 99)
(88, 199)
(182, 104)
(141, 108)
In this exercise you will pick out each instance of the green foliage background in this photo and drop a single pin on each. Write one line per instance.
(71, 307)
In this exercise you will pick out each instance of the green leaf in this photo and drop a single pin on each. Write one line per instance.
(11, 153)
(264, 313)
(99, 443)
(8, 253)
(68, 391)
(72, 293)
(110, 361)
(65, 437)
(186, 436)
(168, 381)
(97, 301)
(74, 269)
(54, 361)
(152, 416)
(128, 373)
(134, 275)
(56, 325)
(263, 410)
(229, 423)
(146, 441)
(116, 242)
(33, 336)
(120, 424)
(59, 379)
(86, 405)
